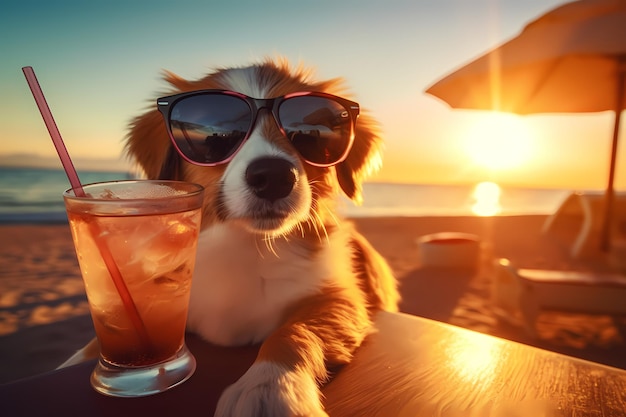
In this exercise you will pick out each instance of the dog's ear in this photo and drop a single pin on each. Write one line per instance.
(148, 143)
(364, 158)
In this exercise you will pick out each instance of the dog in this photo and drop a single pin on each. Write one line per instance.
(276, 265)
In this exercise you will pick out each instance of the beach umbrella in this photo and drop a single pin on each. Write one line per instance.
(570, 60)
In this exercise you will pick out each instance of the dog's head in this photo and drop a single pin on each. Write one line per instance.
(266, 184)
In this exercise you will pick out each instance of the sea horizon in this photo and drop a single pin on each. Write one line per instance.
(33, 195)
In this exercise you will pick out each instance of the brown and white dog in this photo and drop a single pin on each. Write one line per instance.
(277, 266)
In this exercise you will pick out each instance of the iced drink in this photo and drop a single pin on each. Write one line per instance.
(150, 230)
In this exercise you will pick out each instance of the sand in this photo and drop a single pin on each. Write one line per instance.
(44, 316)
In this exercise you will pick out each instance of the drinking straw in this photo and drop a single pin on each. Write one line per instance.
(77, 187)
(68, 166)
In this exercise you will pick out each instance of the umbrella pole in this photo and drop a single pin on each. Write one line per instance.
(605, 237)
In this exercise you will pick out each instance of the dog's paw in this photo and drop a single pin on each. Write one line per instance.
(267, 389)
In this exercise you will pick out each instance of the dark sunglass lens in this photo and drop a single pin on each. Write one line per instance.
(208, 128)
(319, 128)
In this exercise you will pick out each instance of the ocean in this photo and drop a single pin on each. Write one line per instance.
(29, 195)
(35, 194)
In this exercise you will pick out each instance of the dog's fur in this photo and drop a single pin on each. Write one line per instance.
(286, 273)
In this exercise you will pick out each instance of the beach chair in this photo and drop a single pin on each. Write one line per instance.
(578, 222)
(520, 295)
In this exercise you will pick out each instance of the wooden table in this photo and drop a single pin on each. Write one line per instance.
(410, 367)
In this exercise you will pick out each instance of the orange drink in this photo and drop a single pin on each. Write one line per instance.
(150, 231)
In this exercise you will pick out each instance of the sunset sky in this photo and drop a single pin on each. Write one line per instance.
(99, 64)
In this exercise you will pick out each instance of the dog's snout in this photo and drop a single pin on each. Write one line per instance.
(271, 178)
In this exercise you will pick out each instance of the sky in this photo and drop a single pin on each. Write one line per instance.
(100, 64)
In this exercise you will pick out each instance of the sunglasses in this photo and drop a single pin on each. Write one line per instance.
(208, 127)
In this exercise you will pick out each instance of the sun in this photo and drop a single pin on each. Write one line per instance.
(486, 197)
(499, 141)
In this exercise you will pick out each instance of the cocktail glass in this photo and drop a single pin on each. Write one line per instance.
(139, 296)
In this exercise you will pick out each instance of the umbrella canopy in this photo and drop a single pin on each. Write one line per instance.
(570, 60)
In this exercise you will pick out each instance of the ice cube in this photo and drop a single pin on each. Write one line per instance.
(108, 194)
(141, 190)
(113, 318)
(165, 281)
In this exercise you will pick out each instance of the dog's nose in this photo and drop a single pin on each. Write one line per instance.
(271, 178)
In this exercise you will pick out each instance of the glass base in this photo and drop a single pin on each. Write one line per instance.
(119, 381)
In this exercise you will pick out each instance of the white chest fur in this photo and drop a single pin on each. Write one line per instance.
(241, 288)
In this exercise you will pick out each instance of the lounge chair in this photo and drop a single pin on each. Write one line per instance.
(521, 294)
(578, 222)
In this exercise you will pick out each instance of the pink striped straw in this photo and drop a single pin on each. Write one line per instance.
(77, 187)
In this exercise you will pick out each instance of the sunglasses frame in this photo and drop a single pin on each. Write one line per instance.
(165, 104)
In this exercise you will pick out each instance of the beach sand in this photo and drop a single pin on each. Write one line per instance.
(44, 315)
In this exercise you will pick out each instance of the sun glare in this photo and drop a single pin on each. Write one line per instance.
(474, 358)
(486, 198)
(499, 141)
